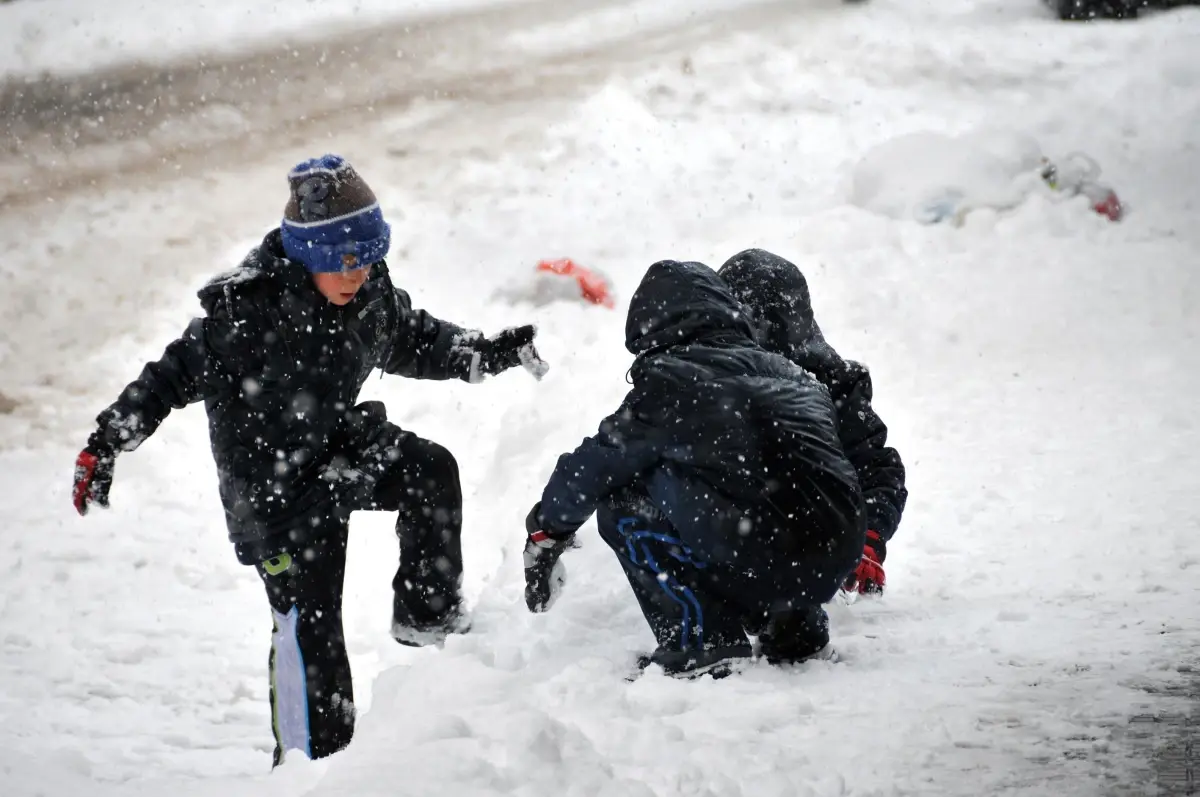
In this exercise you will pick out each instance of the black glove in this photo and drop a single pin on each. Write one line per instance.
(544, 574)
(510, 348)
(93, 474)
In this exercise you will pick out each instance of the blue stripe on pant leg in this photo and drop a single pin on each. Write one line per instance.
(674, 590)
(685, 625)
(291, 685)
(691, 596)
(685, 555)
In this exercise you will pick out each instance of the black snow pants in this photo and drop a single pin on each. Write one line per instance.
(312, 696)
(701, 610)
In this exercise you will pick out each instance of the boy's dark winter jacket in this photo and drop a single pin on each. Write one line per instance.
(279, 369)
(737, 446)
(776, 293)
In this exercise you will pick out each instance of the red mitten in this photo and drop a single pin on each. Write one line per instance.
(868, 578)
(93, 477)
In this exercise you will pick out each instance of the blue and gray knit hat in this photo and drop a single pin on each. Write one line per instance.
(332, 221)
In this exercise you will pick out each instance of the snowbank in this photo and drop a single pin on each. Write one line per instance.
(931, 177)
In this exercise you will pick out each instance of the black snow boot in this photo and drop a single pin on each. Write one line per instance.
(717, 662)
(795, 635)
(418, 629)
(427, 605)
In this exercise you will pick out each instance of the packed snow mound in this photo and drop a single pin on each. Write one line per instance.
(931, 177)
(559, 280)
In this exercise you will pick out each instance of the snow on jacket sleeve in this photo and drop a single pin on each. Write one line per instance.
(864, 438)
(203, 362)
(623, 448)
(424, 347)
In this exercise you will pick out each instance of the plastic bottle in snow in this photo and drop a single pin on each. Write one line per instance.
(1079, 174)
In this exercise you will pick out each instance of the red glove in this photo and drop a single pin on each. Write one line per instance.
(93, 477)
(868, 578)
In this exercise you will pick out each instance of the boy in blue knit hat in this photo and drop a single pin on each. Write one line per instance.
(287, 341)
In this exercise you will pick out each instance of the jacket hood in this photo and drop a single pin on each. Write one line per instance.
(680, 303)
(267, 261)
(776, 294)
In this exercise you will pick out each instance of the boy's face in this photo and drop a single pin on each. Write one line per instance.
(339, 287)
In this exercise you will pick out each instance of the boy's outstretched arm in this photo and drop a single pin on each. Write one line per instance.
(192, 368)
(424, 347)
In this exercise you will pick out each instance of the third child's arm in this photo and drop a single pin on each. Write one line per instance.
(602, 464)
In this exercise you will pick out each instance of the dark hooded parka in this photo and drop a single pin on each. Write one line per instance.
(736, 446)
(777, 296)
(280, 369)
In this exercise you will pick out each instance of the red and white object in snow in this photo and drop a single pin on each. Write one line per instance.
(1078, 174)
(592, 286)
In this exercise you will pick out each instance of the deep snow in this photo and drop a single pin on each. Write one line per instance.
(1032, 365)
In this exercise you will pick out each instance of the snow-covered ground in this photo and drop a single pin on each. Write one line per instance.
(69, 37)
(74, 36)
(1034, 365)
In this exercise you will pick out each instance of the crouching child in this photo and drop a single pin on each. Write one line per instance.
(720, 484)
(776, 295)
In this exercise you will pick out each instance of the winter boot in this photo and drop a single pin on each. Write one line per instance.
(413, 622)
(421, 634)
(717, 662)
(427, 605)
(795, 635)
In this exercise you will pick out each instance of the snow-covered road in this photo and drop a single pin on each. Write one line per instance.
(1035, 367)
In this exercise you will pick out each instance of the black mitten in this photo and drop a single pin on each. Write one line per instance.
(544, 574)
(510, 348)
